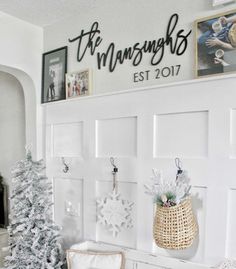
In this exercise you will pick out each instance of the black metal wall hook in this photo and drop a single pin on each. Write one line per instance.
(66, 166)
(178, 164)
(115, 169)
(114, 172)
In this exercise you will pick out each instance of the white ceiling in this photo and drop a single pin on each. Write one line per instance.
(45, 12)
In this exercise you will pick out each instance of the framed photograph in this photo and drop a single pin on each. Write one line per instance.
(53, 75)
(78, 83)
(221, 2)
(216, 44)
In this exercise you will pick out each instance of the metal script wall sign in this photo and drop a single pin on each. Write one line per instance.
(89, 41)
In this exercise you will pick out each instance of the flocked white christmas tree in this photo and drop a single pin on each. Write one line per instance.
(34, 239)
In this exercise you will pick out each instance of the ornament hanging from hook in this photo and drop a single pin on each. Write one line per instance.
(114, 172)
(115, 169)
(114, 212)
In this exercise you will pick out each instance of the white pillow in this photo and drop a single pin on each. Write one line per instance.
(77, 259)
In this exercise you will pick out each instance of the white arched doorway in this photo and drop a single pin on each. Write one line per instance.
(12, 123)
(18, 121)
(30, 105)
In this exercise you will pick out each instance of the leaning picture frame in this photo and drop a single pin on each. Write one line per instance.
(54, 68)
(78, 83)
(215, 42)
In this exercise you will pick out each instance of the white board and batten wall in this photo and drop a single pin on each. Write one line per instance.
(146, 128)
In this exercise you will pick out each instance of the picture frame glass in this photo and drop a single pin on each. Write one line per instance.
(216, 44)
(78, 84)
(54, 70)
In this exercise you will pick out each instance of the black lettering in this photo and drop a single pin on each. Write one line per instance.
(147, 74)
(150, 46)
(141, 75)
(170, 29)
(157, 73)
(91, 40)
(165, 74)
(178, 69)
(128, 53)
(89, 44)
(184, 42)
(102, 58)
(138, 57)
(136, 77)
(161, 48)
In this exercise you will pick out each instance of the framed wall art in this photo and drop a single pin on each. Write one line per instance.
(53, 75)
(216, 44)
(78, 83)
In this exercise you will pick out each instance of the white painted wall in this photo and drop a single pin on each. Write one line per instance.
(144, 129)
(12, 123)
(195, 121)
(20, 55)
(125, 23)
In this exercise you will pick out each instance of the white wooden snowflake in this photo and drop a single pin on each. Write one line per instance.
(114, 212)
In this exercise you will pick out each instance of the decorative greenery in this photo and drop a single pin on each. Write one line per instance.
(168, 193)
(166, 199)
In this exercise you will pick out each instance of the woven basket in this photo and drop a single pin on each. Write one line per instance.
(175, 227)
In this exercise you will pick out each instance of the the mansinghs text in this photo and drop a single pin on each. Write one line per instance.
(89, 42)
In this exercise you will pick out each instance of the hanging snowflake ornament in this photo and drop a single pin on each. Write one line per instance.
(114, 212)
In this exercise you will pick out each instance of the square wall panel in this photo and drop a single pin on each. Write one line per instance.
(116, 137)
(231, 224)
(68, 209)
(181, 134)
(68, 140)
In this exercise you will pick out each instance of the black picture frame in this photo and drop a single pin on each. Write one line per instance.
(54, 68)
(215, 44)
